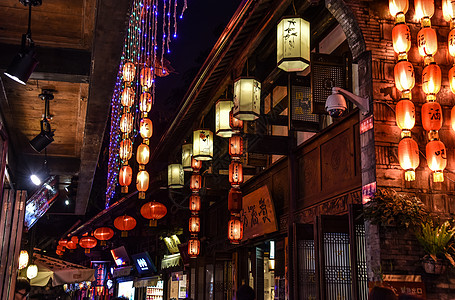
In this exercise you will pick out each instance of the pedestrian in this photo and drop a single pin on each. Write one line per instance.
(22, 288)
(382, 293)
(245, 292)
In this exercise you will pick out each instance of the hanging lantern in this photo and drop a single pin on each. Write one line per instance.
(401, 37)
(129, 71)
(124, 224)
(222, 110)
(195, 224)
(58, 252)
(432, 118)
(126, 150)
(175, 176)
(398, 7)
(431, 81)
(23, 259)
(235, 173)
(153, 211)
(404, 77)
(202, 144)
(448, 10)
(61, 248)
(424, 8)
(236, 146)
(193, 247)
(405, 116)
(427, 42)
(145, 102)
(63, 242)
(235, 230)
(88, 242)
(408, 156)
(235, 124)
(143, 154)
(187, 153)
(32, 271)
(125, 178)
(293, 44)
(452, 79)
(247, 99)
(146, 79)
(195, 203)
(126, 123)
(142, 183)
(195, 182)
(128, 96)
(235, 200)
(75, 239)
(452, 118)
(436, 159)
(196, 165)
(103, 234)
(146, 128)
(71, 245)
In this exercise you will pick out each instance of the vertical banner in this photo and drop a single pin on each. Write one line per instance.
(286, 267)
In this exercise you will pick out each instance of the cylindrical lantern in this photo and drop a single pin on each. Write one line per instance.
(103, 234)
(427, 42)
(431, 116)
(452, 79)
(405, 115)
(398, 6)
(202, 144)
(195, 182)
(187, 153)
(126, 123)
(61, 248)
(235, 230)
(196, 165)
(222, 110)
(452, 118)
(58, 252)
(63, 242)
(193, 247)
(146, 79)
(32, 271)
(126, 150)
(293, 44)
(124, 223)
(431, 81)
(247, 99)
(23, 259)
(236, 146)
(424, 8)
(145, 102)
(408, 156)
(71, 245)
(175, 176)
(401, 38)
(143, 154)
(448, 10)
(235, 200)
(195, 203)
(129, 71)
(128, 96)
(125, 178)
(404, 76)
(436, 159)
(235, 173)
(235, 124)
(153, 211)
(194, 224)
(146, 128)
(88, 242)
(142, 183)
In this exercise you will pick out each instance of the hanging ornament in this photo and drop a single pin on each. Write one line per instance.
(235, 173)
(143, 154)
(128, 96)
(129, 71)
(202, 144)
(103, 234)
(145, 102)
(235, 230)
(293, 44)
(431, 81)
(124, 224)
(222, 124)
(187, 153)
(125, 178)
(195, 182)
(175, 176)
(408, 156)
(88, 242)
(142, 183)
(247, 99)
(193, 247)
(194, 224)
(196, 165)
(404, 78)
(401, 39)
(436, 159)
(235, 200)
(405, 116)
(195, 202)
(126, 150)
(153, 211)
(398, 9)
(23, 259)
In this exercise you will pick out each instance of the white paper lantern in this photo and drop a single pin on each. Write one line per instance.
(247, 99)
(23, 259)
(202, 144)
(222, 127)
(32, 271)
(175, 176)
(293, 44)
(187, 153)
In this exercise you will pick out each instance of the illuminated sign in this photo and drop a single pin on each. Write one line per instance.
(143, 263)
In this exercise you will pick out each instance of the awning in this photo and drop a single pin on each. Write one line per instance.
(170, 261)
(59, 271)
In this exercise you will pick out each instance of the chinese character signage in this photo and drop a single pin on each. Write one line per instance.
(258, 214)
(100, 273)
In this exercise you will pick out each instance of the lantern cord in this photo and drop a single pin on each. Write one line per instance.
(293, 5)
(178, 205)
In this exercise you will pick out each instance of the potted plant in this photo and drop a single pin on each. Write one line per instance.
(438, 243)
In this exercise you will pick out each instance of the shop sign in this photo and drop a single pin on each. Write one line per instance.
(258, 214)
(100, 273)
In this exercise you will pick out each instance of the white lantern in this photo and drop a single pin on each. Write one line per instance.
(32, 271)
(222, 109)
(202, 144)
(247, 99)
(187, 153)
(23, 259)
(175, 176)
(293, 44)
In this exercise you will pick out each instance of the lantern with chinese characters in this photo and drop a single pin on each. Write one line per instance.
(129, 71)
(187, 153)
(202, 144)
(235, 146)
(88, 242)
(128, 96)
(195, 203)
(142, 183)
(145, 102)
(247, 99)
(235, 200)
(153, 211)
(103, 234)
(235, 173)
(432, 118)
(195, 182)
(401, 38)
(398, 7)
(451, 42)
(427, 42)
(452, 79)
(235, 124)
(143, 154)
(405, 116)
(126, 150)
(175, 176)
(124, 224)
(436, 159)
(448, 10)
(23, 259)
(408, 156)
(222, 110)
(71, 245)
(146, 128)
(194, 224)
(146, 79)
(235, 230)
(63, 242)
(293, 44)
(196, 165)
(424, 8)
(193, 247)
(126, 123)
(431, 81)
(125, 178)
(32, 271)
(452, 118)
(404, 77)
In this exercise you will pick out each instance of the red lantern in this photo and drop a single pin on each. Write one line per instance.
(193, 247)
(128, 96)
(235, 173)
(235, 230)
(124, 223)
(129, 71)
(196, 165)
(126, 123)
(398, 6)
(146, 77)
(404, 76)
(427, 42)
(431, 80)
(401, 37)
(452, 79)
(125, 178)
(195, 224)
(408, 155)
(405, 115)
(195, 182)
(71, 245)
(234, 123)
(103, 234)
(451, 42)
(235, 201)
(431, 116)
(88, 242)
(436, 159)
(145, 102)
(58, 252)
(236, 146)
(153, 211)
(452, 118)
(146, 128)
(61, 248)
(424, 8)
(63, 243)
(75, 239)
(126, 150)
(143, 154)
(195, 203)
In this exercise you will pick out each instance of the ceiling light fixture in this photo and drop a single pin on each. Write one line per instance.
(25, 62)
(46, 136)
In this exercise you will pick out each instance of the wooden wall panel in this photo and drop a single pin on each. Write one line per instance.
(309, 174)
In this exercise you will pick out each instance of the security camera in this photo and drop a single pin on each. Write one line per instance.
(336, 103)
